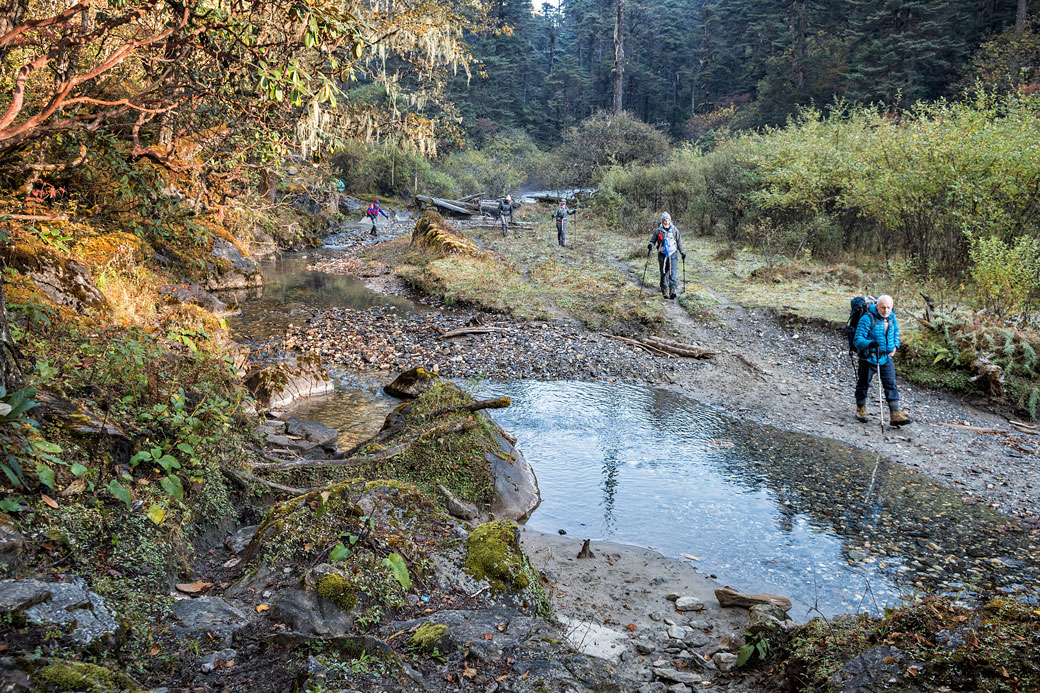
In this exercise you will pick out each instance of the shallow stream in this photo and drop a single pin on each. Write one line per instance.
(835, 528)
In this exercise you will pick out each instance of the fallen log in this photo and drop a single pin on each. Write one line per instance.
(451, 206)
(679, 348)
(973, 429)
(471, 330)
(497, 403)
(461, 426)
(636, 343)
(728, 596)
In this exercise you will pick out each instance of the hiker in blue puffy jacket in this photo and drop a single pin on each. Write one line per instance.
(669, 246)
(876, 341)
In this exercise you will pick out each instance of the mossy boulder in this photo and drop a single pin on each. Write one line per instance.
(82, 676)
(413, 383)
(429, 635)
(493, 553)
(65, 281)
(431, 232)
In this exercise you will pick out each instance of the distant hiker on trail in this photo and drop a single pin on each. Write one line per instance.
(505, 208)
(560, 215)
(668, 243)
(373, 213)
(876, 341)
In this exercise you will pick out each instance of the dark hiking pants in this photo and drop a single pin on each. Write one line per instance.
(669, 272)
(865, 373)
(561, 232)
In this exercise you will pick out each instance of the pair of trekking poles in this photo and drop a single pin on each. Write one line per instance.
(667, 270)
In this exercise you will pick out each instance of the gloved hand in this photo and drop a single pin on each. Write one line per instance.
(649, 246)
(683, 255)
(873, 344)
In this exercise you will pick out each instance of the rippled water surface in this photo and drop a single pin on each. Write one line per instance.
(763, 509)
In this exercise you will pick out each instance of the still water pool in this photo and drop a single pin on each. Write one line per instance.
(834, 528)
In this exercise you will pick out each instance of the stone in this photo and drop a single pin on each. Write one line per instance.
(11, 542)
(696, 639)
(688, 604)
(412, 383)
(655, 687)
(669, 621)
(730, 643)
(676, 632)
(195, 295)
(313, 432)
(675, 676)
(464, 510)
(202, 616)
(69, 605)
(307, 613)
(678, 688)
(765, 618)
(655, 616)
(239, 540)
(672, 596)
(211, 661)
(516, 487)
(231, 269)
(277, 385)
(65, 281)
(725, 661)
(874, 670)
(644, 648)
(12, 678)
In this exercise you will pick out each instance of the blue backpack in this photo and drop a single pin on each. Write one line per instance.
(859, 306)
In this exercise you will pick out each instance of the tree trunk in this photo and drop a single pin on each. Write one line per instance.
(799, 24)
(10, 377)
(1020, 17)
(619, 54)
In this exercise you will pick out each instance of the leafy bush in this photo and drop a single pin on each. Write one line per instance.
(505, 163)
(604, 140)
(388, 169)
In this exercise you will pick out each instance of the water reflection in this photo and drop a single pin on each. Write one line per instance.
(766, 510)
(291, 293)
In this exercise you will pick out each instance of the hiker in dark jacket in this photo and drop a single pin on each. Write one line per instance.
(373, 213)
(505, 209)
(560, 215)
(876, 341)
(669, 247)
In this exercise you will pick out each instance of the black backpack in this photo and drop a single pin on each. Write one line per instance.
(859, 306)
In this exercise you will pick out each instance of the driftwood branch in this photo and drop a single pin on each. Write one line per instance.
(365, 459)
(497, 403)
(653, 351)
(471, 330)
(679, 348)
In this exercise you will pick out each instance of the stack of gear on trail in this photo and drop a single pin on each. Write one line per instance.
(373, 213)
(560, 215)
(667, 241)
(505, 209)
(875, 338)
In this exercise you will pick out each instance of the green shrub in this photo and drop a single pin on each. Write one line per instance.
(505, 163)
(604, 140)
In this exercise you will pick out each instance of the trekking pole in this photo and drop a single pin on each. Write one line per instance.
(684, 274)
(880, 390)
(643, 280)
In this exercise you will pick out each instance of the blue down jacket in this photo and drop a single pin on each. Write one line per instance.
(872, 326)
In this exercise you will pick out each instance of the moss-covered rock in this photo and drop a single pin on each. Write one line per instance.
(431, 232)
(493, 553)
(412, 383)
(340, 590)
(82, 676)
(429, 635)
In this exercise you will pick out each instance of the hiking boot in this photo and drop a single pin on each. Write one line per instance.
(664, 291)
(899, 418)
(861, 414)
(674, 295)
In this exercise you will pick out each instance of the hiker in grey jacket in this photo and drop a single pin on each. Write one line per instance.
(560, 215)
(669, 246)
(505, 208)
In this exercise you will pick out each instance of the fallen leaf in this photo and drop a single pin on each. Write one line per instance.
(631, 627)
(48, 500)
(230, 663)
(193, 587)
(77, 487)
(261, 608)
(489, 636)
(468, 672)
(501, 629)
(154, 651)
(232, 562)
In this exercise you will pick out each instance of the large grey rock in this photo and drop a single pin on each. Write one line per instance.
(765, 618)
(69, 605)
(412, 383)
(231, 269)
(675, 676)
(11, 542)
(277, 385)
(65, 281)
(516, 487)
(725, 661)
(303, 611)
(195, 295)
(314, 433)
(239, 540)
(877, 669)
(204, 616)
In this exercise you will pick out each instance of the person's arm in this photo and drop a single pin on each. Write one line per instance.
(863, 340)
(383, 213)
(895, 330)
(653, 239)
